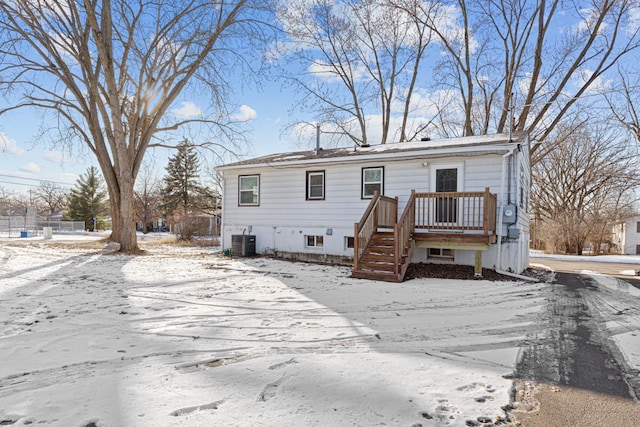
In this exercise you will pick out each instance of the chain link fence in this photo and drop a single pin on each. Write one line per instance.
(25, 226)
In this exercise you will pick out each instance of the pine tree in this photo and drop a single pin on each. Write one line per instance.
(88, 200)
(182, 192)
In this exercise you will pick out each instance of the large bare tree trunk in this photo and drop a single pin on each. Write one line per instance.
(128, 238)
(111, 70)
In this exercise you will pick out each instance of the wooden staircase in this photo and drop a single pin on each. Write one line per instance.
(383, 242)
(378, 259)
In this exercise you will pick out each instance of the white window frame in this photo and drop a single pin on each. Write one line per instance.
(312, 174)
(255, 190)
(364, 182)
(346, 242)
(442, 255)
(317, 241)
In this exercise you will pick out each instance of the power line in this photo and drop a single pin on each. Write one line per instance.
(31, 179)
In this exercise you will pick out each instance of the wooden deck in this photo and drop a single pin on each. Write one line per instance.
(452, 220)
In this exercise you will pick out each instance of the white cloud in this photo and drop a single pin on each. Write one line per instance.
(187, 110)
(30, 168)
(325, 71)
(245, 114)
(590, 18)
(599, 84)
(634, 20)
(8, 145)
(55, 156)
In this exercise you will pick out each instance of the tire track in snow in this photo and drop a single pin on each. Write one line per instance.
(569, 350)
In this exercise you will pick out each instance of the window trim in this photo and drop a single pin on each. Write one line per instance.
(441, 255)
(316, 238)
(308, 184)
(240, 191)
(346, 242)
(362, 182)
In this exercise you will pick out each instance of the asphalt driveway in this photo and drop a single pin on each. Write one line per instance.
(572, 361)
(614, 269)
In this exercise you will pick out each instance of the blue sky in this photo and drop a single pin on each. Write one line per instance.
(29, 160)
(25, 160)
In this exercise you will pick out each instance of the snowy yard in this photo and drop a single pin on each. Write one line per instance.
(184, 337)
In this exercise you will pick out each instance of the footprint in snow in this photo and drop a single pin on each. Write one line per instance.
(190, 409)
(270, 390)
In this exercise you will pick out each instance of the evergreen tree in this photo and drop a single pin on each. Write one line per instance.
(181, 192)
(88, 200)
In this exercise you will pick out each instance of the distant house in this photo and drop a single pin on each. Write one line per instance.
(461, 200)
(626, 236)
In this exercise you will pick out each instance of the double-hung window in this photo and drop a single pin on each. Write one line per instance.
(372, 181)
(249, 190)
(315, 185)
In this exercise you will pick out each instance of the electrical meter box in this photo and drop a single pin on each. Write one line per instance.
(509, 214)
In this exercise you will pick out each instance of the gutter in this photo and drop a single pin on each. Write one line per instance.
(502, 200)
(222, 213)
(375, 156)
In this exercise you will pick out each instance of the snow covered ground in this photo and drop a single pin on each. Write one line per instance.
(619, 259)
(182, 336)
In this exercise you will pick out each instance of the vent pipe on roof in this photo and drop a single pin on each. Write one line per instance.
(317, 139)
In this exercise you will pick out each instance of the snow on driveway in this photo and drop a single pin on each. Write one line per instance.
(184, 337)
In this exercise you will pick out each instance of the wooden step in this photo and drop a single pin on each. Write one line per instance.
(379, 250)
(377, 262)
(376, 275)
(376, 266)
(373, 257)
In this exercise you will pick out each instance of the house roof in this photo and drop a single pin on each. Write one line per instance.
(398, 150)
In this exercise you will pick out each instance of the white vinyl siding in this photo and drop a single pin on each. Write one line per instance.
(284, 217)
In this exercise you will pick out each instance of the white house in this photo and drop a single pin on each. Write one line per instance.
(626, 236)
(461, 200)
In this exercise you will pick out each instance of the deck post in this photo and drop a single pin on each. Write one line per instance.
(355, 246)
(485, 215)
(477, 270)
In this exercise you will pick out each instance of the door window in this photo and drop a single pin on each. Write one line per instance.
(447, 205)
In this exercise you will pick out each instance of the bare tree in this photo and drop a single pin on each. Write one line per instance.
(147, 197)
(357, 59)
(110, 70)
(623, 101)
(584, 185)
(497, 48)
(52, 198)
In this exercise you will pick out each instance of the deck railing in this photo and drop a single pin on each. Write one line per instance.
(381, 212)
(402, 232)
(456, 211)
(473, 212)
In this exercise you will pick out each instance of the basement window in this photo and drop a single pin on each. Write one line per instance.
(440, 253)
(348, 242)
(314, 241)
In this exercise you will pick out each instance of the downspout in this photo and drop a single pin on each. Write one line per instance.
(223, 198)
(501, 209)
